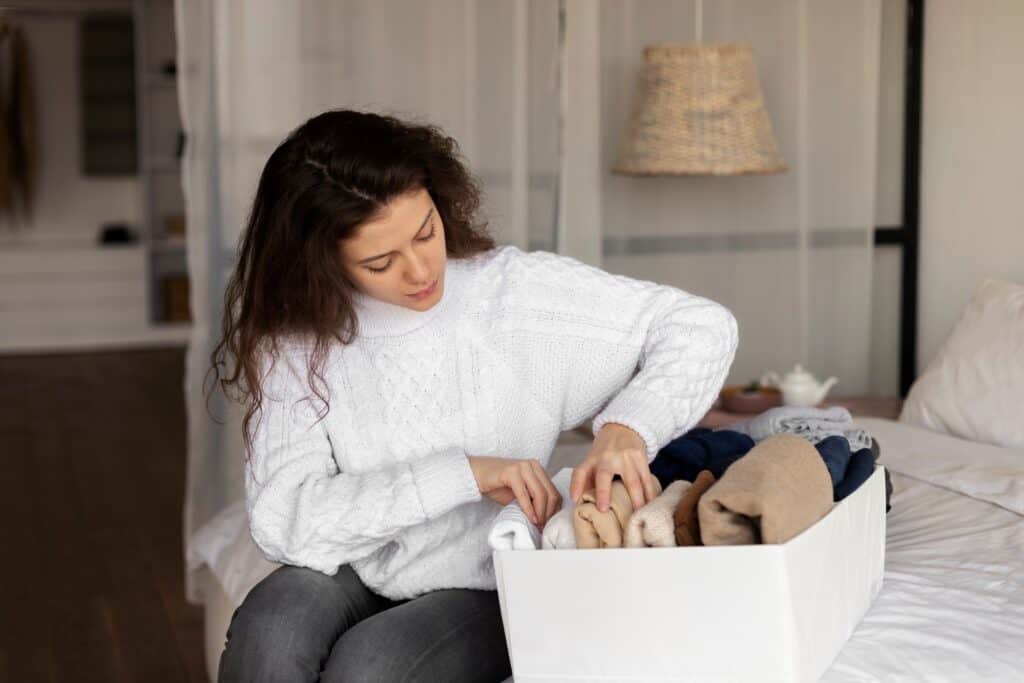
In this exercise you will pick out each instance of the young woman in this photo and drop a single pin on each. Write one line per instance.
(404, 378)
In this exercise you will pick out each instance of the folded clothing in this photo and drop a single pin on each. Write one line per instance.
(814, 424)
(513, 530)
(684, 520)
(696, 450)
(596, 529)
(558, 532)
(862, 464)
(850, 469)
(779, 489)
(835, 452)
(651, 526)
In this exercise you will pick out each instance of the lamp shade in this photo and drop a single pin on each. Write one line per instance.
(701, 113)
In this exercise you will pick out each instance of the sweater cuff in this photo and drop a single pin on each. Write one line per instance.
(444, 481)
(644, 413)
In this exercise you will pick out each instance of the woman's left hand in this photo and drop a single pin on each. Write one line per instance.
(617, 450)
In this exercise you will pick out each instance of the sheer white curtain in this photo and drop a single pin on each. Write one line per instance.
(252, 70)
(790, 254)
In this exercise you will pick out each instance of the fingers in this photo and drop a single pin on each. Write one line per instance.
(554, 498)
(647, 480)
(634, 485)
(603, 484)
(502, 496)
(518, 487)
(582, 480)
(649, 486)
(538, 493)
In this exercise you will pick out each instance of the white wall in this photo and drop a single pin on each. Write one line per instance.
(69, 208)
(972, 166)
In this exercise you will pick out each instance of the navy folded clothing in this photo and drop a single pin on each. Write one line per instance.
(696, 450)
(862, 464)
(835, 451)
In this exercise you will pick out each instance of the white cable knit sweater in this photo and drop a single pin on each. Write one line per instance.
(521, 346)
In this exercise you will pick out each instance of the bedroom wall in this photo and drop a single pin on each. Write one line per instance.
(972, 218)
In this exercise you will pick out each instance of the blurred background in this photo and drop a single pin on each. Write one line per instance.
(132, 134)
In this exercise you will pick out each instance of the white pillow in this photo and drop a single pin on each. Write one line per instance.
(974, 387)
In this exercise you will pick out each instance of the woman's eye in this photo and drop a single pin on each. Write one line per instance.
(426, 238)
(430, 236)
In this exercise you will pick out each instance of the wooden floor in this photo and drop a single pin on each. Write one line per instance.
(92, 470)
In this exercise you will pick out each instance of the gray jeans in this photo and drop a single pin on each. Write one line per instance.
(299, 624)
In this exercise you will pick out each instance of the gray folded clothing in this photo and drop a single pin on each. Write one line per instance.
(813, 424)
(774, 492)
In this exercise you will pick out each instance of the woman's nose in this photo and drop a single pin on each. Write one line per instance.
(417, 272)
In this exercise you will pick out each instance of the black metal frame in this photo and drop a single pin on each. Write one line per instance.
(907, 235)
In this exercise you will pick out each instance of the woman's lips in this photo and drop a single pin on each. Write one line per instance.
(426, 292)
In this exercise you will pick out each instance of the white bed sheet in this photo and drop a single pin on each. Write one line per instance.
(951, 606)
(952, 601)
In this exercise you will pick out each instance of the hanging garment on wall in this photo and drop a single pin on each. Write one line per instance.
(17, 123)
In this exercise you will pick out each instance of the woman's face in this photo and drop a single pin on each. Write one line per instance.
(399, 253)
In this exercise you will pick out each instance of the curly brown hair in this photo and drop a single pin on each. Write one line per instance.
(330, 175)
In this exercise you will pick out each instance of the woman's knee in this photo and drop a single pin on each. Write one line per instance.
(451, 635)
(288, 623)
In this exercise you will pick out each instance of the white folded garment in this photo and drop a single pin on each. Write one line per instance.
(512, 530)
(559, 533)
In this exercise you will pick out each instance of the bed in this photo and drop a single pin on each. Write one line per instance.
(952, 603)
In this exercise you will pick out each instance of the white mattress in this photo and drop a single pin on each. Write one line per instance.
(952, 603)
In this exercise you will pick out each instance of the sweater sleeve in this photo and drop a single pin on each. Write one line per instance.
(660, 354)
(688, 345)
(304, 511)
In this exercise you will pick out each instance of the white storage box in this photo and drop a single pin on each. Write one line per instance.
(722, 613)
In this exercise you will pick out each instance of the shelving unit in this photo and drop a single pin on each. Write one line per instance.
(62, 290)
(159, 128)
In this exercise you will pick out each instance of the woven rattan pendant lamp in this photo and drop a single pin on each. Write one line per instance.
(701, 113)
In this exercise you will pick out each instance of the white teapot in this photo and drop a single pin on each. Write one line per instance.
(799, 387)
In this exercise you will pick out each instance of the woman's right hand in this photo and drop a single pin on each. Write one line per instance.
(525, 481)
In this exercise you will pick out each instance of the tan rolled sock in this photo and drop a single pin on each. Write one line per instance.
(596, 529)
(771, 494)
(685, 522)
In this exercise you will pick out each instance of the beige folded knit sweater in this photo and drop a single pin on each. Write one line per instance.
(596, 529)
(774, 492)
(651, 526)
